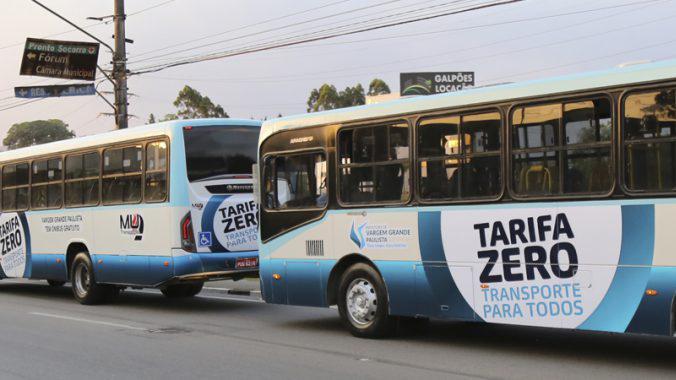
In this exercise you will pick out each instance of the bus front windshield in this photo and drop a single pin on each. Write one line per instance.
(218, 151)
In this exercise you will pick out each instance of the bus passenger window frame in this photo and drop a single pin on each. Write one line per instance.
(48, 182)
(166, 170)
(373, 164)
(264, 178)
(123, 174)
(98, 178)
(561, 147)
(624, 143)
(27, 186)
(460, 156)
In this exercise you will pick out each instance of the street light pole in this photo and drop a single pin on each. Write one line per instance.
(120, 66)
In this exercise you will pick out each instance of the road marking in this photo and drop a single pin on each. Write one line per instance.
(92, 321)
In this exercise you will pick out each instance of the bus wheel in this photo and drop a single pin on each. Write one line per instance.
(85, 288)
(362, 303)
(55, 283)
(182, 290)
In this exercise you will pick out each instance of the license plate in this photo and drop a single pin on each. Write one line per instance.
(249, 262)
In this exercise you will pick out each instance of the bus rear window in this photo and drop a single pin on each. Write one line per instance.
(217, 151)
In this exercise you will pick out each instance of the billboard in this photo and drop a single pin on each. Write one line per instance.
(434, 83)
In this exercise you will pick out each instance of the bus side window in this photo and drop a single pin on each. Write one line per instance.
(459, 157)
(296, 181)
(373, 164)
(562, 148)
(46, 177)
(82, 179)
(15, 187)
(122, 175)
(649, 130)
(156, 172)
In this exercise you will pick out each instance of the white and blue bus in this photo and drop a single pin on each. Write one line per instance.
(548, 203)
(168, 205)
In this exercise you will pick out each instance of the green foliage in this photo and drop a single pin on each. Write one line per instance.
(328, 98)
(169, 116)
(36, 132)
(352, 96)
(192, 105)
(378, 87)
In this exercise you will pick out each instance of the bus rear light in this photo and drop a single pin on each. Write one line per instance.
(187, 128)
(277, 276)
(651, 292)
(187, 235)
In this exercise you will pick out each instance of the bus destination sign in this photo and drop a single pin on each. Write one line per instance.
(434, 83)
(60, 59)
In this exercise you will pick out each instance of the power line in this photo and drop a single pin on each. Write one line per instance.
(242, 27)
(461, 28)
(88, 26)
(619, 53)
(150, 7)
(22, 104)
(322, 37)
(456, 51)
(310, 32)
(263, 31)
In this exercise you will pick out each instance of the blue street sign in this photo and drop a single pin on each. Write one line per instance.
(54, 91)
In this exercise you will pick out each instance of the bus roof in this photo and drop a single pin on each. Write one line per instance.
(120, 135)
(481, 95)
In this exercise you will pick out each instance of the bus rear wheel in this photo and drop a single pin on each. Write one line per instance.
(182, 290)
(85, 289)
(362, 303)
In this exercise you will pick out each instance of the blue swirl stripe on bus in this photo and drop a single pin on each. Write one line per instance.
(27, 234)
(620, 303)
(654, 313)
(440, 282)
(208, 221)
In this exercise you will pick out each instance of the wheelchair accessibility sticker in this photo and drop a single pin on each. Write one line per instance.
(205, 239)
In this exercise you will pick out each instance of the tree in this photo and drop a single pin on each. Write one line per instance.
(169, 116)
(322, 99)
(328, 98)
(192, 105)
(36, 132)
(151, 119)
(378, 87)
(352, 96)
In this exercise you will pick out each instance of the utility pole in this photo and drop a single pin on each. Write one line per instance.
(119, 79)
(120, 66)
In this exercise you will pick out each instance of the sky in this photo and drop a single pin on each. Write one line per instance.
(516, 42)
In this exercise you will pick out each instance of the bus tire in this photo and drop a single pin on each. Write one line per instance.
(55, 283)
(85, 289)
(182, 290)
(363, 302)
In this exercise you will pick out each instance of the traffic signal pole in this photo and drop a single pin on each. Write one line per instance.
(120, 67)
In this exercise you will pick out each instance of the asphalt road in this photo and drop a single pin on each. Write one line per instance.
(45, 334)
